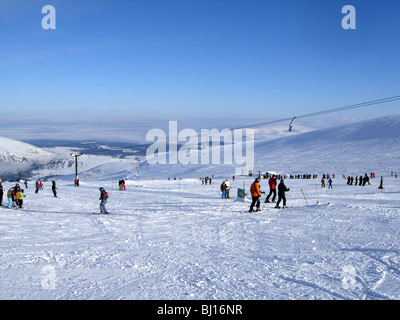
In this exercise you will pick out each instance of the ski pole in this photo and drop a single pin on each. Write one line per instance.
(304, 196)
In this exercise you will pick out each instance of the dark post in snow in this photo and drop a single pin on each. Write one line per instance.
(76, 166)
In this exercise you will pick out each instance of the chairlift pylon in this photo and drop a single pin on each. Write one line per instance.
(291, 125)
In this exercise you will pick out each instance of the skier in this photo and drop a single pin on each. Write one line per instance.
(10, 198)
(272, 189)
(323, 183)
(20, 198)
(366, 180)
(255, 195)
(103, 198)
(223, 189)
(227, 188)
(1, 193)
(330, 183)
(381, 185)
(54, 188)
(281, 194)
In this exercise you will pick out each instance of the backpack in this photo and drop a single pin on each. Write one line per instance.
(106, 194)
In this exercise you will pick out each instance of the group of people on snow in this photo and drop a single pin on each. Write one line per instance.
(15, 196)
(206, 180)
(329, 183)
(358, 181)
(225, 187)
(121, 184)
(256, 193)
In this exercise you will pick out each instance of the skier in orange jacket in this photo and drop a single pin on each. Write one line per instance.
(255, 195)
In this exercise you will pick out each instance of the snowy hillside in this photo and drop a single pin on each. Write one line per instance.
(18, 156)
(362, 147)
(368, 146)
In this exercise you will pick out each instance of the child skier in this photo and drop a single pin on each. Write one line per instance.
(20, 198)
(10, 198)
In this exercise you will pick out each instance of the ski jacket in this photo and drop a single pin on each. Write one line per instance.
(282, 189)
(103, 196)
(255, 190)
(272, 183)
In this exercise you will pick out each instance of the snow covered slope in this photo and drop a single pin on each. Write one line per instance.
(180, 240)
(20, 156)
(366, 146)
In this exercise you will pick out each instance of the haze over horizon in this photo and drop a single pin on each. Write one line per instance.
(143, 61)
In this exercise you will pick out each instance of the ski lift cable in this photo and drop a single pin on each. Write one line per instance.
(313, 114)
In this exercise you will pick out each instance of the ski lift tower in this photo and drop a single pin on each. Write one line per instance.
(76, 163)
(291, 125)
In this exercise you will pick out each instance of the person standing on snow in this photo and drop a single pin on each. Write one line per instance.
(282, 189)
(223, 189)
(227, 188)
(330, 183)
(381, 185)
(103, 198)
(20, 198)
(1, 193)
(10, 198)
(54, 188)
(272, 189)
(255, 195)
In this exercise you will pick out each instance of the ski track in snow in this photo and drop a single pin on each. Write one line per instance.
(179, 240)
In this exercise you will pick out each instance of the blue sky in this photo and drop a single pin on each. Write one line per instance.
(120, 60)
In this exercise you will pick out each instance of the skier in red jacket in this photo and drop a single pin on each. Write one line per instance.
(272, 189)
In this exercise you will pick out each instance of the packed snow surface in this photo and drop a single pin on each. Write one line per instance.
(179, 240)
